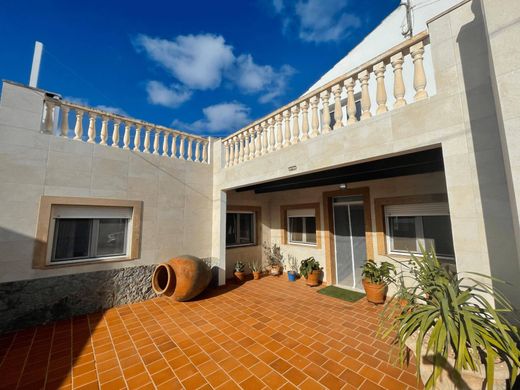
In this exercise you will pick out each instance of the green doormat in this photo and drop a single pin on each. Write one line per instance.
(341, 293)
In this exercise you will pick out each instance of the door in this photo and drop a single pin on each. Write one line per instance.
(349, 240)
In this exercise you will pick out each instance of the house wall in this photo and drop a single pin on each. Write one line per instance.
(176, 194)
(461, 119)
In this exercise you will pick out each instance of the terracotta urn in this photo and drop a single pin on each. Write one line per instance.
(376, 293)
(256, 275)
(313, 279)
(241, 276)
(182, 278)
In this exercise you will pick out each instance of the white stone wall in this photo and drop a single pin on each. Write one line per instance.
(177, 194)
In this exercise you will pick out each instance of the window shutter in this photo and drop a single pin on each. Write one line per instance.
(301, 213)
(404, 210)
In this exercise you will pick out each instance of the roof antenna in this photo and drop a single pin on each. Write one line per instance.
(35, 69)
(407, 26)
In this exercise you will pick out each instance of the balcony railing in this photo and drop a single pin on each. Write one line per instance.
(121, 132)
(291, 124)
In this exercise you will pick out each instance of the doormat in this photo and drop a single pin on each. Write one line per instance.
(341, 293)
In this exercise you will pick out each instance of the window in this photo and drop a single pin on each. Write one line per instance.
(301, 226)
(240, 228)
(89, 233)
(411, 226)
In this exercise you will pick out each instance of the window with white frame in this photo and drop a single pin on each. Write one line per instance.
(301, 226)
(240, 228)
(411, 226)
(89, 233)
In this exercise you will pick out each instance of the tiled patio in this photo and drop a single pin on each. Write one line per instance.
(262, 334)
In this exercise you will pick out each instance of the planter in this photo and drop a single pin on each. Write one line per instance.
(241, 276)
(471, 380)
(291, 275)
(376, 293)
(256, 275)
(275, 270)
(313, 279)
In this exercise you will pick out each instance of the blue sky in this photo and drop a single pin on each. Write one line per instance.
(202, 66)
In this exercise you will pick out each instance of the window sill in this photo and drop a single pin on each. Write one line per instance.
(403, 256)
(240, 246)
(84, 262)
(315, 246)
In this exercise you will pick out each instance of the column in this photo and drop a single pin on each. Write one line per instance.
(397, 63)
(287, 128)
(379, 70)
(363, 78)
(91, 128)
(419, 77)
(325, 96)
(295, 125)
(338, 112)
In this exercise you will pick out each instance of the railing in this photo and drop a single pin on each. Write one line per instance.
(121, 132)
(290, 125)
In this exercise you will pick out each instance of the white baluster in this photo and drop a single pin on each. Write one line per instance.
(181, 147)
(258, 141)
(146, 146)
(246, 145)
(236, 150)
(91, 128)
(264, 137)
(64, 121)
(278, 131)
(295, 125)
(115, 133)
(137, 139)
(174, 145)
(399, 91)
(351, 101)
(197, 150)
(325, 97)
(419, 77)
(287, 128)
(156, 142)
(205, 152)
(305, 120)
(165, 144)
(126, 136)
(379, 70)
(104, 130)
(252, 144)
(48, 123)
(363, 78)
(338, 112)
(315, 123)
(241, 148)
(227, 153)
(78, 127)
(270, 123)
(190, 148)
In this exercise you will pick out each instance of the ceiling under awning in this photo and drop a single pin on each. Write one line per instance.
(403, 165)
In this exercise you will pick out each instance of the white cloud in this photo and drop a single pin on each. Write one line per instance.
(102, 107)
(278, 5)
(161, 95)
(197, 61)
(219, 118)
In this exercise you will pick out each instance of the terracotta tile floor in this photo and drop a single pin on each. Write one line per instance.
(262, 334)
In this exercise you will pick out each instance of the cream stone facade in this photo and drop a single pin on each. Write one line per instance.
(459, 79)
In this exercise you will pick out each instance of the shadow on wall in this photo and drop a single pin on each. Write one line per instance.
(496, 207)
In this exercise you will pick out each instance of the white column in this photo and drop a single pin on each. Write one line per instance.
(181, 147)
(115, 133)
(64, 120)
(197, 150)
(252, 143)
(287, 128)
(236, 147)
(379, 70)
(205, 152)
(305, 120)
(91, 128)
(156, 142)
(264, 138)
(241, 147)
(363, 78)
(295, 125)
(78, 127)
(48, 123)
(351, 101)
(226, 153)
(166, 144)
(270, 123)
(174, 145)
(419, 77)
(278, 131)
(325, 97)
(104, 130)
(190, 148)
(338, 112)
(137, 138)
(126, 136)
(258, 140)
(315, 123)
(397, 63)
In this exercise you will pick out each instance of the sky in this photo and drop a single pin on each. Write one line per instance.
(207, 67)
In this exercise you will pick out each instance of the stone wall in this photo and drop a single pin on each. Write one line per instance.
(39, 301)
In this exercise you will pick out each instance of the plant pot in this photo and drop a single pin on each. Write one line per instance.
(376, 293)
(241, 276)
(256, 275)
(291, 275)
(313, 279)
(275, 270)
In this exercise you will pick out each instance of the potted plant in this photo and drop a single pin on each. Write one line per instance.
(256, 269)
(291, 265)
(274, 258)
(239, 271)
(310, 269)
(376, 279)
(461, 341)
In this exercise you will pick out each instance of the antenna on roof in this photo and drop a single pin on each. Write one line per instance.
(407, 26)
(35, 69)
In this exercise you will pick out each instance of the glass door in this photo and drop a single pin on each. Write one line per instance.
(349, 240)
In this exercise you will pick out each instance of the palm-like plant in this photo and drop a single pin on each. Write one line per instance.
(449, 316)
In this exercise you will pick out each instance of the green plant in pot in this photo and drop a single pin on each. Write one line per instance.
(310, 269)
(291, 265)
(240, 271)
(256, 269)
(460, 340)
(274, 257)
(376, 279)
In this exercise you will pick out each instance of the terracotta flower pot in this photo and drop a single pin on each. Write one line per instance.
(313, 279)
(241, 276)
(376, 293)
(256, 275)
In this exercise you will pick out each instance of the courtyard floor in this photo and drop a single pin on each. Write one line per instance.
(262, 334)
